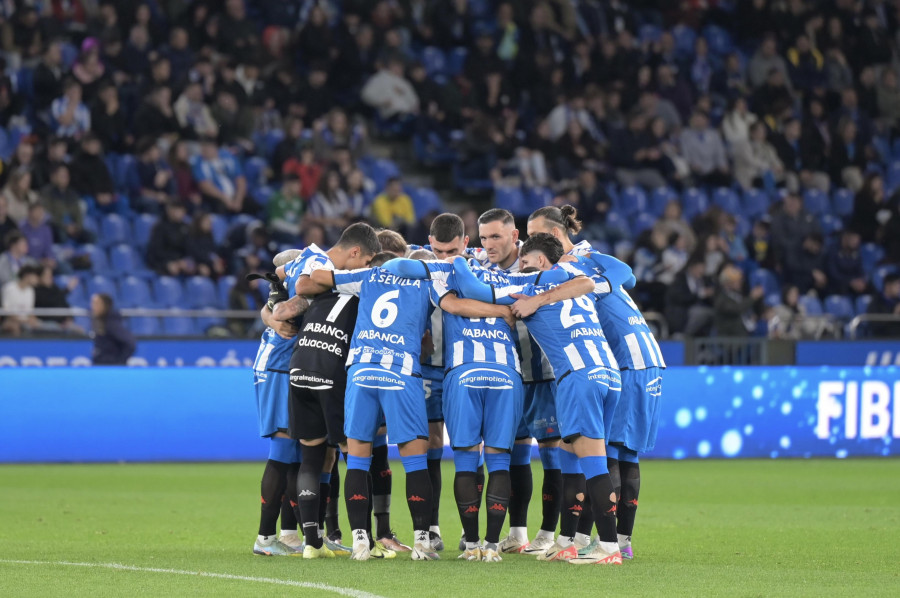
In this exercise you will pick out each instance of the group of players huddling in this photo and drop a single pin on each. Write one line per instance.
(506, 343)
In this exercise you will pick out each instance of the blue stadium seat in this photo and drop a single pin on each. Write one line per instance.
(766, 279)
(271, 140)
(815, 201)
(649, 33)
(456, 59)
(380, 170)
(892, 179)
(135, 292)
(99, 261)
(425, 200)
(755, 203)
(512, 199)
(660, 197)
(224, 287)
(168, 292)
(742, 226)
(219, 227)
(434, 60)
(684, 40)
(632, 200)
(126, 261)
(831, 224)
(727, 199)
(200, 293)
(114, 230)
(76, 297)
(642, 222)
(143, 226)
(842, 202)
(255, 172)
(102, 284)
(126, 175)
(879, 275)
(616, 221)
(204, 323)
(179, 326)
(810, 305)
(871, 254)
(537, 198)
(25, 82)
(718, 40)
(144, 326)
(839, 306)
(862, 304)
(694, 201)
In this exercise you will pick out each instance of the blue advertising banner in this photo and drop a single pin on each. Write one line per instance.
(205, 414)
(848, 353)
(157, 353)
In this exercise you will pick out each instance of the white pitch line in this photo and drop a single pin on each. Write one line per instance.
(350, 592)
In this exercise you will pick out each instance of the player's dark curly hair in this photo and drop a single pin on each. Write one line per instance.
(565, 217)
(447, 227)
(360, 235)
(544, 243)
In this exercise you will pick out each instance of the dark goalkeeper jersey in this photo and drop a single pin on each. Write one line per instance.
(320, 351)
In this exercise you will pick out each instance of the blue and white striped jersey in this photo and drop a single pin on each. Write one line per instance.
(393, 313)
(535, 365)
(568, 331)
(274, 354)
(477, 340)
(311, 258)
(631, 339)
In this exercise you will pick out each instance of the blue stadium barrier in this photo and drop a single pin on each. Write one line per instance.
(151, 414)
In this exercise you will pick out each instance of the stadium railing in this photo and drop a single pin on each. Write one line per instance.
(738, 351)
(862, 321)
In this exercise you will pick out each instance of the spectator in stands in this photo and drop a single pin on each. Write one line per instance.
(790, 225)
(704, 151)
(756, 163)
(64, 207)
(91, 176)
(806, 64)
(635, 156)
(48, 79)
(315, 97)
(47, 295)
(789, 320)
(689, 301)
(18, 294)
(7, 224)
(23, 159)
(844, 267)
(108, 120)
(359, 189)
(179, 54)
(156, 116)
(330, 207)
(167, 251)
(672, 222)
(764, 60)
(730, 81)
(155, 180)
(805, 268)
(802, 157)
(337, 131)
(870, 209)
(888, 100)
(289, 146)
(183, 175)
(14, 257)
(759, 243)
(737, 122)
(237, 34)
(18, 194)
(773, 97)
(193, 114)
(113, 342)
(36, 230)
(285, 210)
(71, 116)
(220, 180)
(88, 68)
(736, 250)
(201, 248)
(21, 37)
(388, 92)
(886, 303)
(393, 209)
(57, 152)
(307, 169)
(734, 311)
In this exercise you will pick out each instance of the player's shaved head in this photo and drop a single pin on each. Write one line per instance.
(392, 242)
(285, 257)
(537, 245)
(422, 254)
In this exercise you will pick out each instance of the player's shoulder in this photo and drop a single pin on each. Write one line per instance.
(581, 248)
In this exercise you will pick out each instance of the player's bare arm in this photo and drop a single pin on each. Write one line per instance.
(526, 305)
(470, 308)
(290, 309)
(282, 329)
(320, 280)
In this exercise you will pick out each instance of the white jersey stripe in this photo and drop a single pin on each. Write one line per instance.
(650, 350)
(407, 368)
(656, 348)
(500, 353)
(478, 355)
(634, 348)
(612, 356)
(366, 357)
(387, 361)
(594, 353)
(458, 353)
(574, 358)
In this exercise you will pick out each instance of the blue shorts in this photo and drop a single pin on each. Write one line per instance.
(586, 402)
(637, 414)
(272, 392)
(539, 419)
(483, 403)
(372, 388)
(433, 381)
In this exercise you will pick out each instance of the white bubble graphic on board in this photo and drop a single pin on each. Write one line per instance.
(732, 443)
(703, 448)
(683, 418)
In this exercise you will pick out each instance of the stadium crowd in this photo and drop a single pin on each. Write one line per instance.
(742, 156)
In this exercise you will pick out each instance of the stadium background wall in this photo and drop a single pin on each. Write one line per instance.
(71, 414)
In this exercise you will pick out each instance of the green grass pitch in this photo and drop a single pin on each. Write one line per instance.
(705, 528)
